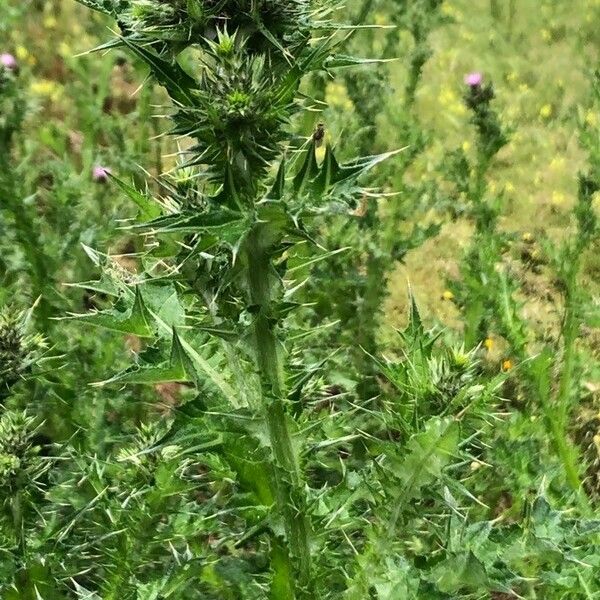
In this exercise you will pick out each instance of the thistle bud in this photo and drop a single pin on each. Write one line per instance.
(9, 62)
(474, 79)
(478, 98)
(21, 465)
(100, 174)
(18, 349)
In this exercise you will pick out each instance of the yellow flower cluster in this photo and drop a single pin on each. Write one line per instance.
(337, 96)
(450, 101)
(47, 88)
(24, 55)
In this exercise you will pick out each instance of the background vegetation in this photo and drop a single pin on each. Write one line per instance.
(411, 390)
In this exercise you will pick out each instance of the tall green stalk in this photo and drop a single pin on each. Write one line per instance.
(267, 348)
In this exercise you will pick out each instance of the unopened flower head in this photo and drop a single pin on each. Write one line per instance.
(18, 348)
(8, 61)
(100, 174)
(474, 79)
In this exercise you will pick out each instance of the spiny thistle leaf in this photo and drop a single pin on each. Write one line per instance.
(428, 453)
(177, 369)
(169, 74)
(149, 209)
(135, 320)
(108, 7)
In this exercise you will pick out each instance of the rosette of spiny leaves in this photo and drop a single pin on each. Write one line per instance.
(429, 431)
(214, 299)
(463, 558)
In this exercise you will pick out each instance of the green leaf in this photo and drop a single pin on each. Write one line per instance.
(136, 321)
(149, 209)
(316, 259)
(337, 61)
(104, 6)
(329, 172)
(176, 371)
(352, 170)
(462, 572)
(33, 582)
(104, 285)
(176, 81)
(308, 171)
(278, 189)
(427, 454)
(201, 369)
(187, 222)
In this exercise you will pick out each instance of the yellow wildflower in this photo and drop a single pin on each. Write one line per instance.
(65, 50)
(448, 9)
(447, 96)
(24, 55)
(546, 111)
(507, 365)
(46, 88)
(50, 22)
(447, 295)
(527, 237)
(337, 96)
(381, 19)
(591, 118)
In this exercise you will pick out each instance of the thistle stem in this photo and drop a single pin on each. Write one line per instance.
(567, 451)
(289, 493)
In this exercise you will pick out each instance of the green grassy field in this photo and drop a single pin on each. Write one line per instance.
(538, 59)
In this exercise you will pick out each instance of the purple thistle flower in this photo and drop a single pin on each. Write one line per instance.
(474, 79)
(100, 174)
(8, 61)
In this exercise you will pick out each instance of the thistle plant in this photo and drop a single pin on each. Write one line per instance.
(470, 179)
(217, 291)
(19, 349)
(23, 468)
(375, 244)
(22, 480)
(12, 102)
(12, 115)
(488, 290)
